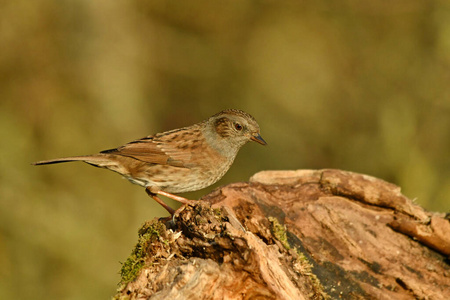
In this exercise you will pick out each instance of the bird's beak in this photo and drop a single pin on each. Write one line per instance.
(257, 138)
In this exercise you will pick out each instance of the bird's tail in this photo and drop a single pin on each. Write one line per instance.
(96, 160)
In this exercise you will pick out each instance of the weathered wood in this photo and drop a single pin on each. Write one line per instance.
(294, 235)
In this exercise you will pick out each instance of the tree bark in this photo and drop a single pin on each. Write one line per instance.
(306, 234)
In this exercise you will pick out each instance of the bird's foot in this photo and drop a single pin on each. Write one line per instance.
(171, 211)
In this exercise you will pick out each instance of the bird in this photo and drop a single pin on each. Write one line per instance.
(179, 160)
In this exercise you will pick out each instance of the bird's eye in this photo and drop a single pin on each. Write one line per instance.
(238, 126)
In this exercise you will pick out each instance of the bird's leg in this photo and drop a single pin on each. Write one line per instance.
(179, 199)
(156, 198)
(174, 197)
(154, 194)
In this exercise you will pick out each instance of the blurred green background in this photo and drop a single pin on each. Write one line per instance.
(355, 85)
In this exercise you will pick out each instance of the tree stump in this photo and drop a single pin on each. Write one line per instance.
(306, 234)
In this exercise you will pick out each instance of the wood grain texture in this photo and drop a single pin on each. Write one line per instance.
(306, 234)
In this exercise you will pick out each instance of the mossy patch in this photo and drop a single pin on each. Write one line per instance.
(279, 232)
(150, 232)
(301, 263)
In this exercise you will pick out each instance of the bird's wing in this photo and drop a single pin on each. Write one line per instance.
(168, 148)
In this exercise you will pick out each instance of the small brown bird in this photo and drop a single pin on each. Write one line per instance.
(180, 160)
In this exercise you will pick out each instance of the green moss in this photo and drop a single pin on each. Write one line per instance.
(148, 233)
(303, 266)
(304, 262)
(279, 231)
(217, 211)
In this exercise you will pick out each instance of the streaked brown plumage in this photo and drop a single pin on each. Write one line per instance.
(179, 160)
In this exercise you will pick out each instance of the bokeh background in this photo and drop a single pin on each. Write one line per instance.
(355, 85)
